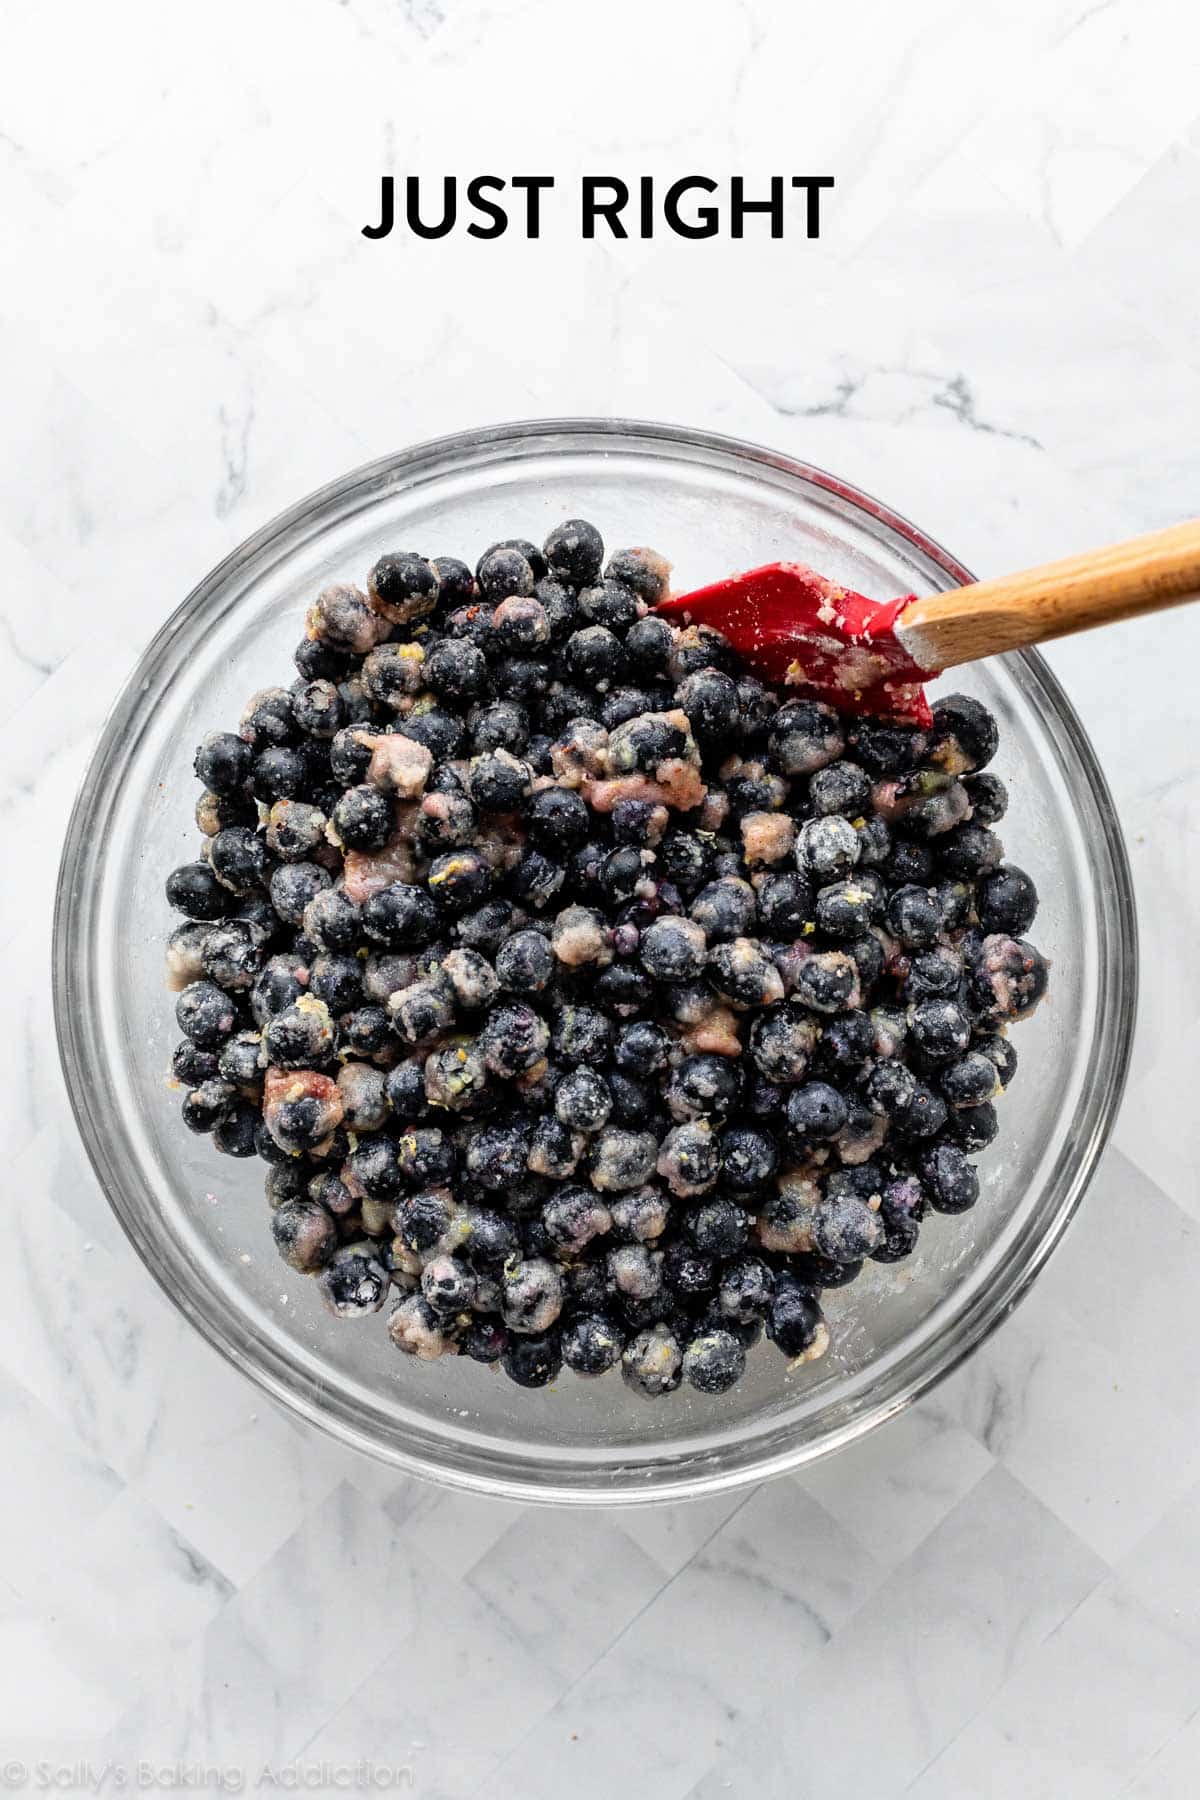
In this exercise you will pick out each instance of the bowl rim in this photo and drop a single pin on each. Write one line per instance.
(268, 1369)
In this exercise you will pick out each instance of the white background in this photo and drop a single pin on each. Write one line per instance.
(998, 1595)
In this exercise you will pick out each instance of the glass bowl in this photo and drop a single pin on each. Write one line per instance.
(199, 1220)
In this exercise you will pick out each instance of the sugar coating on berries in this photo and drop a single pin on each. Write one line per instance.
(591, 1000)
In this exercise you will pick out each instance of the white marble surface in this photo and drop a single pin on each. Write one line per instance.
(995, 1596)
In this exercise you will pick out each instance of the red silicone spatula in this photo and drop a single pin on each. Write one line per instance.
(795, 628)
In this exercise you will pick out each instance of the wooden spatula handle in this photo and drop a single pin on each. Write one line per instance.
(1140, 576)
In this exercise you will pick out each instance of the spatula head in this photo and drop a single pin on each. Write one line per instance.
(798, 630)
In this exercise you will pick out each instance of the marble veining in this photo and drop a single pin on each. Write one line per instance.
(994, 1595)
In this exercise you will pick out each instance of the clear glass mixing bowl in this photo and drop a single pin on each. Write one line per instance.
(199, 1221)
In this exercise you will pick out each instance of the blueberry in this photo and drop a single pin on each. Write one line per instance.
(673, 949)
(710, 700)
(989, 798)
(718, 1227)
(644, 571)
(295, 830)
(194, 889)
(840, 787)
(592, 657)
(652, 1362)
(348, 756)
(536, 879)
(969, 1081)
(498, 781)
(278, 773)
(268, 718)
(609, 603)
(190, 1065)
(1007, 978)
(1001, 1052)
(886, 747)
(725, 908)
(591, 1343)
(891, 1088)
(689, 1158)
(403, 586)
(648, 645)
(844, 1229)
(642, 1214)
(305, 1235)
(559, 605)
(392, 673)
(941, 1029)
(205, 1014)
(826, 848)
(966, 734)
(972, 1128)
(357, 702)
(447, 1285)
(558, 820)
(333, 920)
(366, 1031)
(844, 909)
(574, 550)
(582, 1035)
(633, 1101)
(745, 1289)
(513, 1039)
(456, 670)
(294, 885)
(318, 709)
(423, 1219)
(337, 980)
(899, 1231)
(207, 1103)
(749, 1158)
(913, 917)
(319, 661)
(781, 1043)
(400, 915)
(924, 1115)
(230, 955)
(484, 1340)
(828, 982)
(968, 851)
(532, 1360)
(713, 1362)
(300, 1036)
(531, 1295)
(704, 1086)
(623, 873)
(512, 567)
(459, 880)
(641, 1047)
(456, 583)
(223, 762)
(742, 972)
(815, 1111)
(785, 904)
(908, 864)
(794, 1321)
(622, 1159)
(934, 974)
(805, 736)
(582, 1101)
(283, 981)
(951, 1181)
(363, 818)
(354, 1282)
(869, 957)
(1006, 900)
